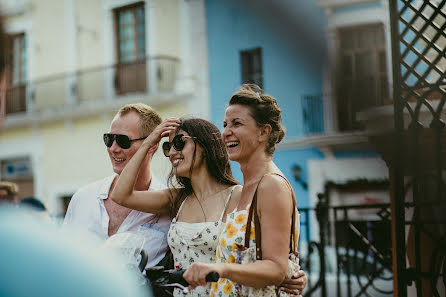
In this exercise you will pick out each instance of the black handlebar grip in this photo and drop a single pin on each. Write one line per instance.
(176, 276)
(212, 277)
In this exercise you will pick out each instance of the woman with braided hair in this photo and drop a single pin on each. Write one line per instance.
(252, 128)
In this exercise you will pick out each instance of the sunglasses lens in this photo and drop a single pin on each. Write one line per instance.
(178, 142)
(123, 141)
(108, 140)
(166, 148)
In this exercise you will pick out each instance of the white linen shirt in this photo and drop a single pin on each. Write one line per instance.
(86, 212)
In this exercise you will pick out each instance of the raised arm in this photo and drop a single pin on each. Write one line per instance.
(147, 201)
(275, 208)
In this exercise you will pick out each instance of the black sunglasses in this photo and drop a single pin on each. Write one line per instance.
(177, 142)
(122, 140)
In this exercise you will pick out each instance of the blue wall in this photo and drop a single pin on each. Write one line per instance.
(288, 72)
(286, 159)
(292, 39)
(292, 42)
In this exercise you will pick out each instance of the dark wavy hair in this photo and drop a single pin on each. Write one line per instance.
(208, 137)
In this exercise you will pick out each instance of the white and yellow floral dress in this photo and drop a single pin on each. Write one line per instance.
(231, 242)
(194, 242)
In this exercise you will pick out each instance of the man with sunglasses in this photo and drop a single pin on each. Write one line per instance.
(92, 210)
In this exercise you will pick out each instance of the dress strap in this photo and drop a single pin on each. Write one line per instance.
(179, 209)
(284, 178)
(226, 203)
(295, 220)
(253, 213)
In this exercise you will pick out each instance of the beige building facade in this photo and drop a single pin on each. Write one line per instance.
(74, 63)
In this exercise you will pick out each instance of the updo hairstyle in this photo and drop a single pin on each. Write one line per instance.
(264, 109)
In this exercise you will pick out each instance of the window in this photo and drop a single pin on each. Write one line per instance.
(362, 76)
(130, 38)
(252, 66)
(16, 55)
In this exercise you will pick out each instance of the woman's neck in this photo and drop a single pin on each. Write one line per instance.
(204, 185)
(256, 166)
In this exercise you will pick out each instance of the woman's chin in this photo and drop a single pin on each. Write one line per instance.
(233, 156)
(180, 171)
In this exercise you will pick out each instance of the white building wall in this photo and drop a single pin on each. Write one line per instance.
(66, 149)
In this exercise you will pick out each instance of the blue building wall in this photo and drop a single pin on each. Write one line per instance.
(288, 73)
(290, 68)
(287, 159)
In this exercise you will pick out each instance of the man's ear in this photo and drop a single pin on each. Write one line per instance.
(265, 131)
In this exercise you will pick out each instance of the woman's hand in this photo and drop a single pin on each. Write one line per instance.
(196, 274)
(296, 285)
(162, 130)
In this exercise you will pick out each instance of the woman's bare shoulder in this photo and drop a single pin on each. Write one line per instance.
(274, 181)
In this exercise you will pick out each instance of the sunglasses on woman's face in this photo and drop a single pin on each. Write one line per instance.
(177, 142)
(122, 140)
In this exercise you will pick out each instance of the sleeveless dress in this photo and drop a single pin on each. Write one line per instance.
(194, 242)
(231, 242)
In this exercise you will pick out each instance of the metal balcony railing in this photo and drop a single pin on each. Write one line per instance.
(312, 114)
(352, 256)
(150, 76)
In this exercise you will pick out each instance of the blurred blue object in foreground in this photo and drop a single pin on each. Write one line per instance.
(37, 260)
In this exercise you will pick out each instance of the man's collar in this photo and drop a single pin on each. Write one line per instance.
(155, 184)
(105, 187)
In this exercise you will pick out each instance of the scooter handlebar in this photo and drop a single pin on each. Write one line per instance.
(176, 276)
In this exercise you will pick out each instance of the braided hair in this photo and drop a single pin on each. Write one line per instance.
(264, 110)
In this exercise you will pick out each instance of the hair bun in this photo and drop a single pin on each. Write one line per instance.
(252, 88)
(281, 134)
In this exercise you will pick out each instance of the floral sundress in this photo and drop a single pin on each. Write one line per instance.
(230, 244)
(194, 242)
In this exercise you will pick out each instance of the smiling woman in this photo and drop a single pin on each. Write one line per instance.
(201, 189)
(252, 128)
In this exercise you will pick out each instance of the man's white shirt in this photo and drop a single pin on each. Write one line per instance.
(86, 213)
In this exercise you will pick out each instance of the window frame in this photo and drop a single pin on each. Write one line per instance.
(130, 76)
(249, 73)
(349, 93)
(116, 12)
(16, 90)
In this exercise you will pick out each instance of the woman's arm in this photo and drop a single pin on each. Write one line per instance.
(147, 201)
(275, 209)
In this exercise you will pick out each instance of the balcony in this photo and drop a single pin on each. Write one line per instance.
(312, 114)
(312, 128)
(92, 91)
(357, 95)
(340, 3)
(421, 103)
